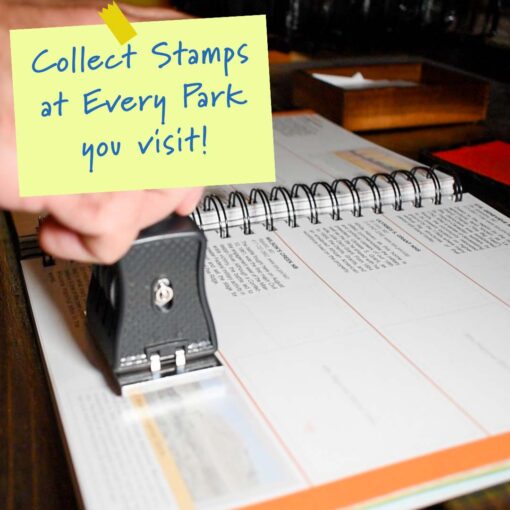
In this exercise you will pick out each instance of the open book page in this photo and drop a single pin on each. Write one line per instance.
(365, 359)
(360, 314)
(343, 369)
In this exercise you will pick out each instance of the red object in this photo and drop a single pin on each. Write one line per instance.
(490, 159)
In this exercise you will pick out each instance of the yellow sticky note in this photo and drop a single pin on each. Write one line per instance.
(117, 23)
(185, 103)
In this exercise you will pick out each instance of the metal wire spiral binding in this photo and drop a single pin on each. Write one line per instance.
(292, 199)
(220, 211)
(257, 192)
(457, 188)
(314, 215)
(394, 186)
(47, 260)
(412, 179)
(236, 195)
(335, 207)
(291, 210)
(375, 191)
(316, 202)
(457, 185)
(356, 202)
(430, 174)
(197, 218)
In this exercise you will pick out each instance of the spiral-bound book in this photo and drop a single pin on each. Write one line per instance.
(362, 307)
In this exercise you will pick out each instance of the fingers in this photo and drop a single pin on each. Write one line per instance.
(62, 242)
(163, 202)
(96, 213)
(190, 201)
(110, 247)
(92, 227)
(101, 227)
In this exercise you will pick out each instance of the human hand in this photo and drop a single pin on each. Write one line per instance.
(97, 227)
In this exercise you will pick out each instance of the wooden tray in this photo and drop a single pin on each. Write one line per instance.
(441, 97)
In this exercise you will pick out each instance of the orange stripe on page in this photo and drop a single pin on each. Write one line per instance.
(278, 437)
(396, 477)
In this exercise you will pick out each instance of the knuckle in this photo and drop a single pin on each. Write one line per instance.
(108, 249)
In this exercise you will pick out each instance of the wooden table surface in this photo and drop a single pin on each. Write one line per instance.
(33, 469)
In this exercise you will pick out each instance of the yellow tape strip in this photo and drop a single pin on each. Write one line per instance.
(117, 23)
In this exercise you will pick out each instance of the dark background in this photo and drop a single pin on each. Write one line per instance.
(470, 35)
